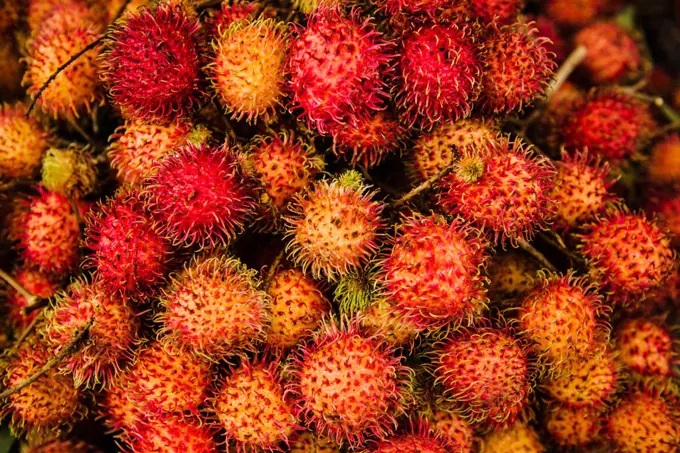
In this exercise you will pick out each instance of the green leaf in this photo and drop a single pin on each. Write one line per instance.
(6, 439)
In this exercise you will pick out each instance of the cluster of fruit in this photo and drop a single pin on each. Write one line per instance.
(415, 226)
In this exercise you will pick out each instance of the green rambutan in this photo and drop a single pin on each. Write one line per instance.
(23, 141)
(69, 171)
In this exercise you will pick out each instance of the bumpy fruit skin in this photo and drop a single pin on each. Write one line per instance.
(336, 66)
(382, 317)
(519, 438)
(628, 254)
(118, 412)
(38, 11)
(46, 405)
(230, 12)
(643, 421)
(609, 124)
(664, 161)
(453, 428)
(557, 111)
(214, 307)
(60, 446)
(51, 233)
(613, 55)
(129, 257)
(348, 385)
(517, 69)
(511, 274)
(109, 340)
(573, 13)
(436, 149)
(581, 189)
(169, 433)
(573, 427)
(560, 318)
(499, 11)
(439, 75)
(665, 206)
(297, 307)
(433, 272)
(152, 64)
(37, 283)
(424, 7)
(503, 188)
(421, 440)
(23, 141)
(199, 196)
(334, 227)
(645, 346)
(252, 408)
(247, 71)
(590, 382)
(136, 147)
(69, 171)
(307, 442)
(486, 373)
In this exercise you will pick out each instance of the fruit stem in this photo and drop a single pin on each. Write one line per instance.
(422, 187)
(272, 269)
(27, 331)
(574, 59)
(538, 256)
(54, 361)
(31, 298)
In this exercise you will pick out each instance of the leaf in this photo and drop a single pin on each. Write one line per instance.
(6, 439)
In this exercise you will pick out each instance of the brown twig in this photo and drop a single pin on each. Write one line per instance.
(538, 256)
(30, 297)
(422, 187)
(272, 269)
(27, 331)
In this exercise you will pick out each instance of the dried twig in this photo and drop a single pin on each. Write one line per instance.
(272, 269)
(27, 331)
(30, 297)
(421, 188)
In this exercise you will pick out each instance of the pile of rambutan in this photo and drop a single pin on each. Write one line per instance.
(333, 226)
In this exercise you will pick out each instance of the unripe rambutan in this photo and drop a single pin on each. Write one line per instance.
(152, 64)
(573, 13)
(324, 92)
(170, 433)
(252, 408)
(297, 306)
(33, 281)
(454, 429)
(439, 74)
(45, 405)
(129, 257)
(573, 427)
(136, 148)
(51, 233)
(307, 442)
(519, 438)
(199, 196)
(560, 318)
(663, 166)
(433, 272)
(438, 148)
(517, 69)
(645, 346)
(511, 274)
(628, 254)
(348, 385)
(60, 446)
(609, 124)
(69, 171)
(612, 55)
(75, 89)
(382, 317)
(247, 71)
(110, 337)
(504, 188)
(589, 382)
(22, 142)
(485, 373)
(644, 422)
(334, 227)
(233, 312)
(421, 439)
(500, 11)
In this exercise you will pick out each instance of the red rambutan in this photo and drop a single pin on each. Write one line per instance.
(573, 13)
(33, 281)
(430, 8)
(646, 346)
(230, 12)
(519, 438)
(665, 206)
(555, 41)
(458, 433)
(422, 439)
(590, 382)
(500, 11)
(23, 141)
(170, 433)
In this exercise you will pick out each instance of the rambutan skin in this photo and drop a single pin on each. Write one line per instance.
(214, 307)
(69, 171)
(573, 13)
(511, 274)
(326, 90)
(590, 382)
(433, 272)
(502, 12)
(519, 438)
(646, 347)
(422, 441)
(230, 12)
(664, 161)
(169, 432)
(308, 442)
(573, 427)
(424, 7)
(37, 283)
(23, 141)
(152, 64)
(199, 196)
(439, 75)
(452, 427)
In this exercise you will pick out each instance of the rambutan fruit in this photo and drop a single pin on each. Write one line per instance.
(581, 189)
(628, 254)
(37, 283)
(486, 374)
(230, 11)
(51, 233)
(517, 68)
(665, 206)
(504, 188)
(252, 408)
(60, 445)
(23, 141)
(38, 11)
(646, 347)
(573, 427)
(439, 74)
(609, 124)
(643, 421)
(326, 93)
(152, 64)
(434, 150)
(519, 438)
(46, 405)
(170, 433)
(110, 337)
(247, 71)
(556, 42)
(573, 13)
(383, 317)
(199, 196)
(297, 307)
(589, 382)
(501, 12)
(612, 54)
(136, 148)
(433, 272)
(117, 410)
(421, 439)
(429, 8)
(334, 227)
(214, 307)
(560, 318)
(308, 442)
(511, 274)
(348, 385)
(114, 6)
(556, 112)
(663, 166)
(69, 171)
(454, 429)
(75, 89)
(129, 257)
